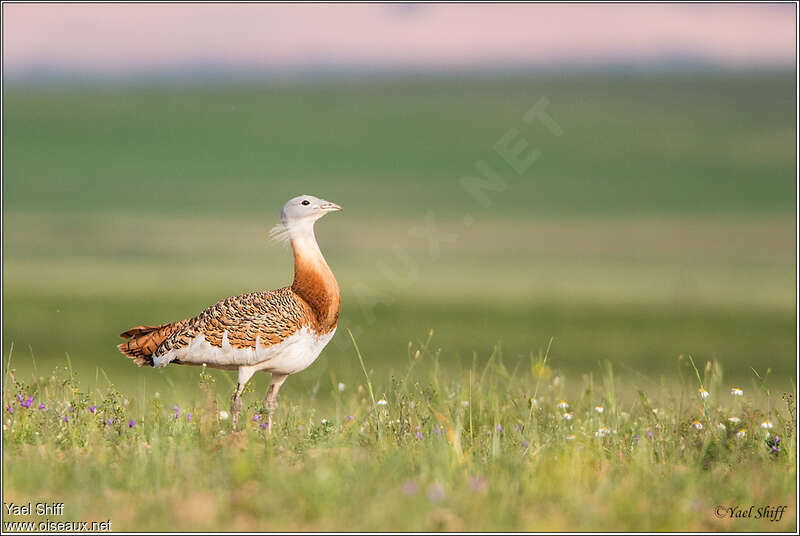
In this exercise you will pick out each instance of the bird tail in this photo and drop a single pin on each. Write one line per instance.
(143, 341)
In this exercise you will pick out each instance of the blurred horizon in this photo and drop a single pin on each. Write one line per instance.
(128, 41)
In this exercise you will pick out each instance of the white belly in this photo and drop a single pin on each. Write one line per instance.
(292, 355)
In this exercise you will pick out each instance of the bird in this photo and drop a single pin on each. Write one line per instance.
(280, 331)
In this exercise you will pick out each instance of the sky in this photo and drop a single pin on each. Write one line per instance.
(123, 38)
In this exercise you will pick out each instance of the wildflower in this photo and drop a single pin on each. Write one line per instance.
(774, 448)
(736, 391)
(650, 433)
(110, 422)
(323, 421)
(42, 406)
(436, 492)
(524, 444)
(204, 365)
(741, 434)
(766, 425)
(517, 427)
(599, 409)
(569, 415)
(734, 420)
(703, 393)
(419, 434)
(350, 418)
(500, 428)
(410, 487)
(563, 405)
(382, 402)
(655, 411)
(263, 426)
(602, 431)
(435, 430)
(19, 397)
(27, 403)
(777, 440)
(66, 418)
(131, 423)
(697, 424)
(256, 417)
(92, 409)
(341, 386)
(479, 484)
(721, 426)
(571, 437)
(188, 417)
(223, 415)
(11, 410)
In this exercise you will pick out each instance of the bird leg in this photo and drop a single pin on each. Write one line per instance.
(236, 404)
(271, 400)
(245, 373)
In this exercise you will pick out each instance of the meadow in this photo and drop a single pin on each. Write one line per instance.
(657, 225)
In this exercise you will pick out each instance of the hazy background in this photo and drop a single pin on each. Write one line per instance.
(148, 150)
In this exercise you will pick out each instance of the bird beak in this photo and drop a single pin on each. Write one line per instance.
(327, 206)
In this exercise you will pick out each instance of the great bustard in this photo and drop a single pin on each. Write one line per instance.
(281, 331)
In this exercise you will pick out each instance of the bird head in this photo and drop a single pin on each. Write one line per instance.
(299, 214)
(306, 208)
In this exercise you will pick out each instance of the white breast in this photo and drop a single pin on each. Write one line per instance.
(293, 354)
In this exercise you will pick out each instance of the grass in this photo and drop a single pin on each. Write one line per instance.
(660, 225)
(481, 448)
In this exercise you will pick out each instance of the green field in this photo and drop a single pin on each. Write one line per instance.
(659, 225)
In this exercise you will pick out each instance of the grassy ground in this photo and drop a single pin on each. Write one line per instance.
(660, 224)
(483, 448)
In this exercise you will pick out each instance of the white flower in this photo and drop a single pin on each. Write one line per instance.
(382, 402)
(569, 415)
(602, 431)
(735, 391)
(204, 365)
(570, 437)
(341, 386)
(655, 411)
(563, 405)
(722, 426)
(766, 425)
(323, 421)
(6, 428)
(599, 409)
(698, 425)
(741, 434)
(223, 415)
(735, 420)
(158, 395)
(703, 393)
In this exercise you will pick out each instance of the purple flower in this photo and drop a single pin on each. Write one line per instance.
(110, 422)
(177, 411)
(19, 397)
(517, 428)
(131, 423)
(435, 430)
(777, 440)
(525, 444)
(436, 492)
(350, 418)
(774, 448)
(66, 418)
(410, 487)
(500, 428)
(27, 403)
(188, 417)
(11, 410)
(419, 434)
(256, 417)
(263, 426)
(649, 433)
(92, 408)
(41, 406)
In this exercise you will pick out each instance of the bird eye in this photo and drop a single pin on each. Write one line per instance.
(305, 202)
